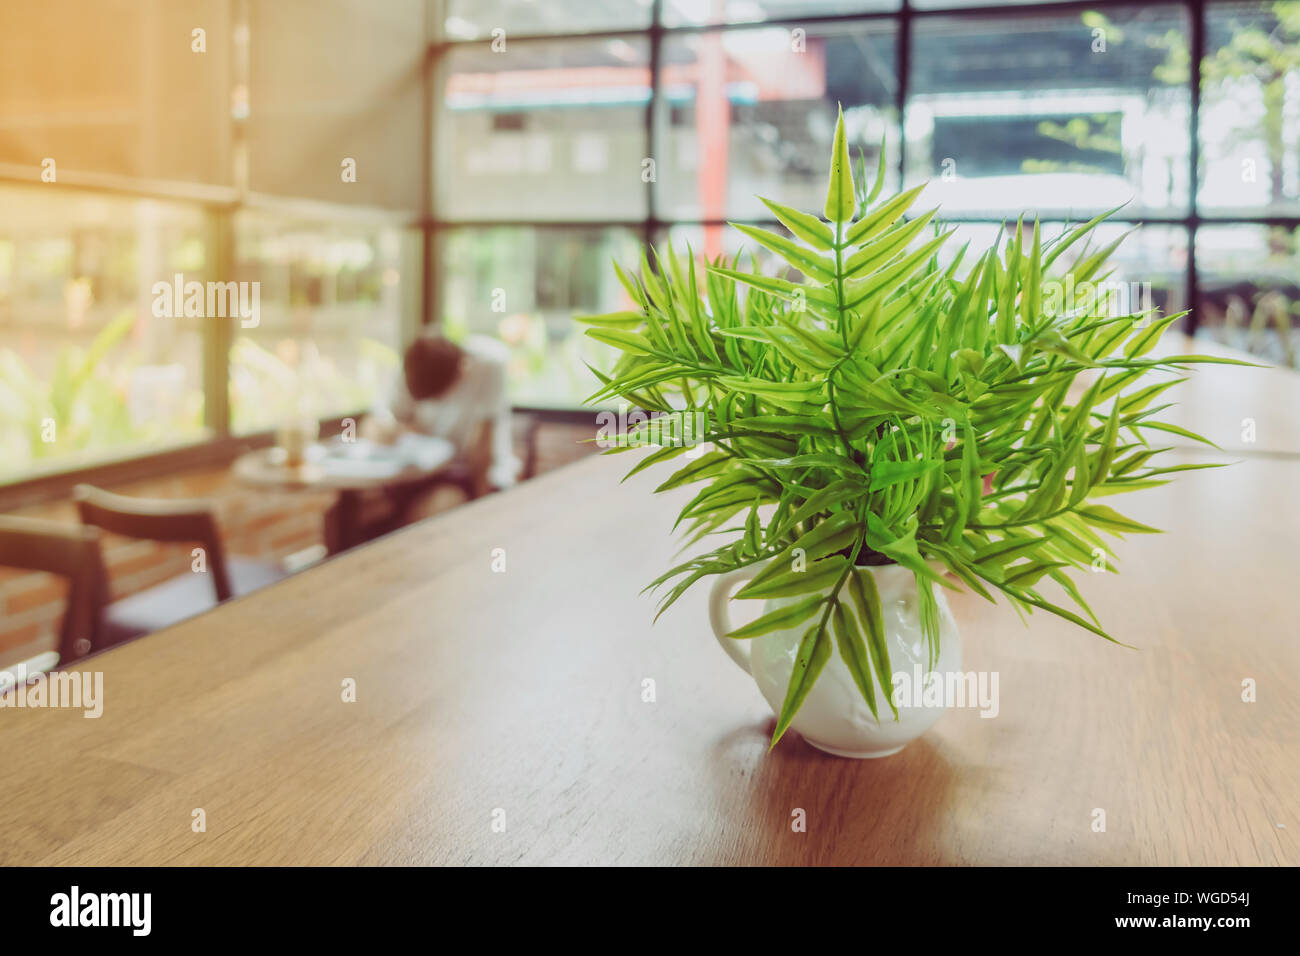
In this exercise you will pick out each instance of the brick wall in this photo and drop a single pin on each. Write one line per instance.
(254, 523)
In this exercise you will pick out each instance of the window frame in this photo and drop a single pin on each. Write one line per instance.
(903, 18)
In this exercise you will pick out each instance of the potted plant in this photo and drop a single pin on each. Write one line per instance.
(880, 428)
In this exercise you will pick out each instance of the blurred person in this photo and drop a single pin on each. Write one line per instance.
(458, 393)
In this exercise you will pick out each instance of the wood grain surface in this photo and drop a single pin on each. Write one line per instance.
(516, 698)
(1255, 410)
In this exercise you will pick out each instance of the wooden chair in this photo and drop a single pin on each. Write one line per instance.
(71, 552)
(175, 521)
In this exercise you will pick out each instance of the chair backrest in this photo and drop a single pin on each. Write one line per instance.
(71, 552)
(187, 521)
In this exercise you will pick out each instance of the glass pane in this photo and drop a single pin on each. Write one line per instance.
(1061, 114)
(331, 300)
(523, 286)
(545, 131)
(687, 12)
(1250, 289)
(475, 19)
(751, 113)
(1250, 108)
(89, 368)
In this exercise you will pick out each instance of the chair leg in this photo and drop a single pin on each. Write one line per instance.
(342, 523)
(330, 523)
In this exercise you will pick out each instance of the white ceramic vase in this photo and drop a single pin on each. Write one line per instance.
(834, 717)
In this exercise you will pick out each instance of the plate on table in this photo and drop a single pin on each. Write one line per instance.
(371, 459)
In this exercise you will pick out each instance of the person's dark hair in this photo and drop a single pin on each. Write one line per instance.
(432, 365)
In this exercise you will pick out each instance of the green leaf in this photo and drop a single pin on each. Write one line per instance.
(1172, 469)
(1079, 232)
(790, 583)
(839, 192)
(786, 616)
(882, 218)
(654, 458)
(928, 611)
(1061, 578)
(880, 175)
(885, 248)
(1101, 469)
(788, 424)
(613, 320)
(1145, 340)
(1070, 616)
(797, 392)
(705, 466)
(1027, 575)
(803, 226)
(837, 492)
(889, 277)
(1007, 550)
(853, 651)
(1177, 430)
(1112, 520)
(886, 473)
(824, 459)
(806, 261)
(779, 287)
(809, 659)
(866, 599)
(627, 341)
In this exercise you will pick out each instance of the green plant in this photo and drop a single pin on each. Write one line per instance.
(80, 406)
(854, 414)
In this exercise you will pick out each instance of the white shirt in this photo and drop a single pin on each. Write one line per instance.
(478, 395)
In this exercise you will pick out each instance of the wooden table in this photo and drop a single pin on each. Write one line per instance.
(517, 697)
(1255, 410)
(268, 468)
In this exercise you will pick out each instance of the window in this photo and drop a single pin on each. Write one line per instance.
(523, 285)
(1079, 114)
(754, 112)
(1249, 289)
(1250, 109)
(516, 147)
(331, 301)
(1024, 106)
(88, 367)
(545, 131)
(152, 148)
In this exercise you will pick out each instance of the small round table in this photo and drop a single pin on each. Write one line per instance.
(351, 469)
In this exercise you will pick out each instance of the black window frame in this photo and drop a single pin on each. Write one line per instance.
(653, 224)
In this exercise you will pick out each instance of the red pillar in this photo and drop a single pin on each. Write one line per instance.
(712, 131)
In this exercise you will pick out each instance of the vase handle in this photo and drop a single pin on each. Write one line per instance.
(720, 618)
